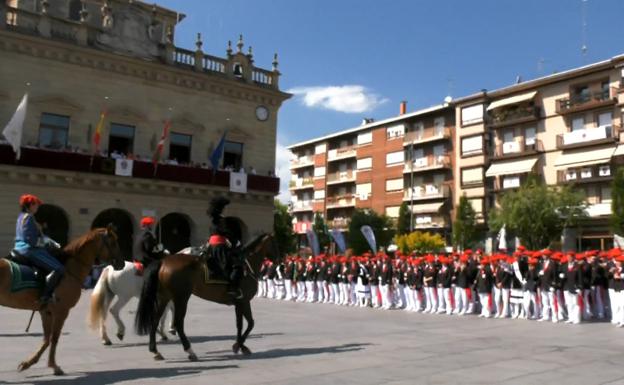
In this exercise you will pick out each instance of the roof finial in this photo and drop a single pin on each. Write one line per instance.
(240, 43)
(199, 41)
(275, 62)
(229, 48)
(84, 14)
(249, 52)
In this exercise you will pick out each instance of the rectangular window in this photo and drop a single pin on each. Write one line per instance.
(363, 190)
(472, 114)
(319, 194)
(578, 123)
(605, 119)
(477, 204)
(395, 158)
(392, 211)
(394, 184)
(472, 176)
(365, 137)
(53, 131)
(180, 147)
(419, 127)
(472, 145)
(511, 181)
(604, 170)
(320, 148)
(319, 171)
(529, 136)
(121, 139)
(364, 163)
(438, 126)
(605, 194)
(395, 131)
(233, 155)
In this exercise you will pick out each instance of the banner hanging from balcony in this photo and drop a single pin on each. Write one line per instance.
(238, 182)
(370, 237)
(123, 167)
(13, 130)
(339, 239)
(313, 242)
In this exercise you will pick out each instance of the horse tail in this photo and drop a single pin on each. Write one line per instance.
(146, 315)
(100, 299)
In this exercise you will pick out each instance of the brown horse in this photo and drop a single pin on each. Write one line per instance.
(178, 276)
(80, 256)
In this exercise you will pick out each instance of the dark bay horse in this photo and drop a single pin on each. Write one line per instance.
(80, 256)
(178, 276)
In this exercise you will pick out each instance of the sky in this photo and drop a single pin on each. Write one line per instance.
(345, 60)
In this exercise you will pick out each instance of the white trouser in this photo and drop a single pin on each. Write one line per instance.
(485, 299)
(288, 289)
(598, 301)
(327, 290)
(375, 295)
(418, 299)
(561, 309)
(548, 298)
(301, 289)
(342, 300)
(271, 288)
(400, 296)
(529, 298)
(447, 294)
(471, 301)
(409, 299)
(505, 293)
(279, 288)
(497, 300)
(310, 291)
(587, 304)
(461, 300)
(320, 289)
(441, 308)
(432, 299)
(335, 294)
(571, 302)
(352, 294)
(262, 288)
(386, 303)
(618, 306)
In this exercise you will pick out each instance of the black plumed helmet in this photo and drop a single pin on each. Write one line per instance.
(217, 205)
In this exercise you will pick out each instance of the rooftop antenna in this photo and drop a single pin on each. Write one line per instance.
(540, 66)
(449, 86)
(584, 29)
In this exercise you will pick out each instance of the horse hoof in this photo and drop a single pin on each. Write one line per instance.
(164, 338)
(235, 348)
(245, 350)
(158, 357)
(193, 358)
(58, 371)
(120, 336)
(106, 342)
(23, 366)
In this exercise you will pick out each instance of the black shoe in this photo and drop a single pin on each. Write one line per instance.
(236, 293)
(52, 281)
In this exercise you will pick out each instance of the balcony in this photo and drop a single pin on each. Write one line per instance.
(341, 153)
(517, 149)
(301, 183)
(427, 163)
(587, 136)
(586, 102)
(300, 206)
(428, 191)
(417, 137)
(508, 182)
(85, 163)
(347, 200)
(341, 177)
(599, 210)
(339, 223)
(429, 222)
(302, 227)
(589, 174)
(303, 161)
(512, 116)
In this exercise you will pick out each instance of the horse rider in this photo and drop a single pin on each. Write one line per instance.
(146, 248)
(222, 254)
(31, 243)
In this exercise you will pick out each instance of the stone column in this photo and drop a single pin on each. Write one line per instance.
(199, 54)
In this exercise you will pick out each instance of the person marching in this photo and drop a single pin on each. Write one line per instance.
(547, 274)
(429, 281)
(531, 282)
(485, 283)
(570, 276)
(462, 282)
(386, 282)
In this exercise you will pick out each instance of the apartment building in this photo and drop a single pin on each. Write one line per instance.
(378, 165)
(565, 127)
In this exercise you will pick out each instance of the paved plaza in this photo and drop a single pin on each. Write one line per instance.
(301, 344)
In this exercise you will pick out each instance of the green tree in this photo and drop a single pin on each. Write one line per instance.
(537, 213)
(283, 228)
(420, 242)
(403, 222)
(465, 232)
(320, 228)
(617, 202)
(382, 228)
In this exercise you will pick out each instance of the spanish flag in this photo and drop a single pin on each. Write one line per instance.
(161, 142)
(98, 131)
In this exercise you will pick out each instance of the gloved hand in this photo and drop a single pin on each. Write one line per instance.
(158, 248)
(49, 242)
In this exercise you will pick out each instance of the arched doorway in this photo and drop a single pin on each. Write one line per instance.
(235, 223)
(122, 220)
(176, 231)
(54, 223)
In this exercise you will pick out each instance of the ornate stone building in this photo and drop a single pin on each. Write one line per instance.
(76, 59)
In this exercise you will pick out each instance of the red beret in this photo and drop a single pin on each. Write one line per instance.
(29, 199)
(147, 221)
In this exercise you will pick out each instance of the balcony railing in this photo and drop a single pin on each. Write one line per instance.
(341, 153)
(427, 191)
(428, 163)
(302, 227)
(511, 116)
(517, 149)
(78, 162)
(578, 138)
(507, 182)
(302, 161)
(602, 209)
(589, 174)
(339, 223)
(416, 137)
(341, 176)
(306, 182)
(302, 206)
(585, 102)
(347, 200)
(424, 221)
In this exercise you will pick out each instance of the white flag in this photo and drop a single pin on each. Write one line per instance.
(502, 238)
(619, 241)
(13, 130)
(238, 182)
(123, 167)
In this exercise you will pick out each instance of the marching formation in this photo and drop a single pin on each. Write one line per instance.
(534, 285)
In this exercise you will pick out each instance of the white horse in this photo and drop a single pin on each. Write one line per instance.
(124, 284)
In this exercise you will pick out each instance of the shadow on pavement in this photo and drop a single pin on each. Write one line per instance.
(294, 352)
(194, 340)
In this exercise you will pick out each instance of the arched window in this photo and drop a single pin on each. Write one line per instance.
(75, 6)
(123, 222)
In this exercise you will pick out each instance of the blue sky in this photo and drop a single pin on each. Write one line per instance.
(349, 59)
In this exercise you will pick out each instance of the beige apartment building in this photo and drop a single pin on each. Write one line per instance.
(565, 127)
(76, 59)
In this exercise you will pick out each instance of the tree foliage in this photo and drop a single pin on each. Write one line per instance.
(403, 222)
(420, 242)
(617, 202)
(381, 225)
(537, 213)
(283, 228)
(320, 228)
(465, 232)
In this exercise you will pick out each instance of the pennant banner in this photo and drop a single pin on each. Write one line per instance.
(339, 239)
(161, 143)
(97, 136)
(238, 182)
(370, 237)
(502, 239)
(313, 242)
(123, 167)
(215, 158)
(13, 130)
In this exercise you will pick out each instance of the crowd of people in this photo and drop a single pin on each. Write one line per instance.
(540, 285)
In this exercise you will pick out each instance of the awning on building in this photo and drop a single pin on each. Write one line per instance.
(512, 100)
(427, 208)
(511, 167)
(580, 158)
(619, 151)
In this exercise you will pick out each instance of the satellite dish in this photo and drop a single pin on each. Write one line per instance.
(448, 99)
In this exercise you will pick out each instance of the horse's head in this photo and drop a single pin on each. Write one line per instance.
(262, 246)
(108, 249)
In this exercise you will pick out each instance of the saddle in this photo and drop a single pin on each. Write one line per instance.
(22, 260)
(23, 274)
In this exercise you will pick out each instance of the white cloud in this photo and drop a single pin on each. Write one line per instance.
(282, 167)
(347, 98)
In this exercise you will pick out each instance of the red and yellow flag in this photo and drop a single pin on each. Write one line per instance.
(97, 136)
(161, 142)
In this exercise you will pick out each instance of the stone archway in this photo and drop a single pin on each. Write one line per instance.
(240, 226)
(54, 223)
(176, 233)
(124, 223)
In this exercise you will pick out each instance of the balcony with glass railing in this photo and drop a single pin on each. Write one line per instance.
(587, 101)
(426, 163)
(346, 200)
(426, 191)
(517, 148)
(588, 136)
(305, 205)
(417, 137)
(425, 221)
(301, 183)
(341, 177)
(341, 153)
(302, 161)
(589, 174)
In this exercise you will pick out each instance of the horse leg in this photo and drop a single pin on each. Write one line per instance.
(152, 335)
(58, 320)
(103, 333)
(46, 321)
(161, 327)
(172, 329)
(239, 327)
(180, 305)
(250, 324)
(114, 310)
